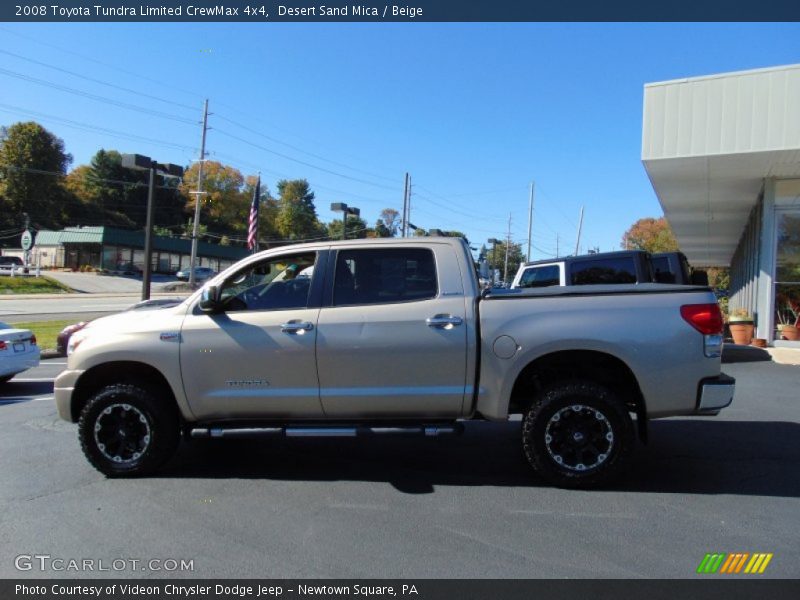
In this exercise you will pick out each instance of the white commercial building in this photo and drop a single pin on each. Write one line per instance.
(723, 155)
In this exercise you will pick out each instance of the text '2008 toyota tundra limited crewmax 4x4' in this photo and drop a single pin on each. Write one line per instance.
(387, 337)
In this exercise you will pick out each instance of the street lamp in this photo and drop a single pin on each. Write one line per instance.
(142, 163)
(345, 210)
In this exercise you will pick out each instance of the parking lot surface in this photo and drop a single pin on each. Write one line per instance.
(419, 508)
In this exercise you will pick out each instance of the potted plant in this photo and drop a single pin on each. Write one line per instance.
(741, 325)
(788, 319)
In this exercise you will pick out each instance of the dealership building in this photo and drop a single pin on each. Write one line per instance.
(723, 155)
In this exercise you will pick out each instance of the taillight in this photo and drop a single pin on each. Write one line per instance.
(3, 345)
(706, 318)
(33, 339)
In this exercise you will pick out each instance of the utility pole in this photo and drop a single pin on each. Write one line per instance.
(508, 243)
(580, 226)
(408, 211)
(530, 222)
(148, 233)
(198, 196)
(557, 246)
(404, 228)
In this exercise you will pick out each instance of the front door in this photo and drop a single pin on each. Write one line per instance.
(255, 358)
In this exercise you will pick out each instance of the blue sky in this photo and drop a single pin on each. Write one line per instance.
(473, 111)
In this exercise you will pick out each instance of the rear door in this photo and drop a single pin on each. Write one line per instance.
(392, 336)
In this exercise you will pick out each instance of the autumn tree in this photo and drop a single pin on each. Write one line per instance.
(225, 205)
(32, 165)
(652, 235)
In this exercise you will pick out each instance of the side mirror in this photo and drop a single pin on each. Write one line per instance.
(209, 299)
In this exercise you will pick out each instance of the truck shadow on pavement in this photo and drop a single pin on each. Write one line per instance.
(683, 457)
(15, 392)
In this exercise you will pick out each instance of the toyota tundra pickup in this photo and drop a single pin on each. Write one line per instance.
(394, 337)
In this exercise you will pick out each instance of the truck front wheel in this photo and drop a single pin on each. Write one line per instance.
(578, 434)
(126, 431)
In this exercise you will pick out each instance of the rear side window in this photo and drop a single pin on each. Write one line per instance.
(379, 276)
(661, 271)
(536, 277)
(607, 270)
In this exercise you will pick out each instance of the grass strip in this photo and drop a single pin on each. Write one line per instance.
(31, 285)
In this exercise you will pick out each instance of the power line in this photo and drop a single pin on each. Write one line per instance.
(99, 62)
(64, 88)
(312, 184)
(86, 127)
(317, 156)
(101, 82)
(307, 164)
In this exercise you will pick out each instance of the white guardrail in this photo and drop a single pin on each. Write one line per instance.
(20, 272)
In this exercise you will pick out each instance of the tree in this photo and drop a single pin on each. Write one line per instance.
(652, 235)
(32, 163)
(497, 258)
(267, 212)
(388, 223)
(225, 206)
(356, 228)
(297, 215)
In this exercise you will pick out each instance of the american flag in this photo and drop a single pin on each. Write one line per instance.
(252, 229)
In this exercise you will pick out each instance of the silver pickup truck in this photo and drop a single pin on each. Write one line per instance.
(394, 337)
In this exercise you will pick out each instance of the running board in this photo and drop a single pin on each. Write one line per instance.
(311, 431)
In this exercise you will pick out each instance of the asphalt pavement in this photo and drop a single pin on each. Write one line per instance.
(421, 508)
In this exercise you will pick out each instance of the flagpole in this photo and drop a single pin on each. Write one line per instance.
(258, 213)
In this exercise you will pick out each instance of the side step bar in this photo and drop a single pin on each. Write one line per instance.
(327, 431)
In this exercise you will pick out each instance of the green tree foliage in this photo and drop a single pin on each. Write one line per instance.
(110, 194)
(267, 212)
(356, 228)
(297, 215)
(497, 258)
(32, 161)
(652, 235)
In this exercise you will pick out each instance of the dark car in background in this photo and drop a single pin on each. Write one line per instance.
(62, 340)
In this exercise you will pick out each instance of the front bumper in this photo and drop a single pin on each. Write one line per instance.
(63, 387)
(714, 394)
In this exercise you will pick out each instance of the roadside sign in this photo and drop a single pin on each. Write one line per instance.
(27, 240)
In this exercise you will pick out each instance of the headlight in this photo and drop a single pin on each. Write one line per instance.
(74, 341)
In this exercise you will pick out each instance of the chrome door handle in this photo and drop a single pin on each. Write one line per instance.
(296, 326)
(443, 321)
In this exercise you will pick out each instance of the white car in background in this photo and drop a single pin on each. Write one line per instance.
(18, 351)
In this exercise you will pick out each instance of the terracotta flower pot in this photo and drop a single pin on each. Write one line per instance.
(789, 332)
(742, 332)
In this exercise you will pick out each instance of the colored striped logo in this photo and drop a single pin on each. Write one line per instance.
(737, 562)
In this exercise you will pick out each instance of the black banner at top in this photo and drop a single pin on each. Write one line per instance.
(299, 11)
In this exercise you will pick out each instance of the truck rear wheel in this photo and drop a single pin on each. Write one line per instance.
(578, 434)
(127, 431)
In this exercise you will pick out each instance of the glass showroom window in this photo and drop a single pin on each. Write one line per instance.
(787, 275)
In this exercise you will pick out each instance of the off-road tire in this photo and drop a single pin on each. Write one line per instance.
(578, 434)
(127, 431)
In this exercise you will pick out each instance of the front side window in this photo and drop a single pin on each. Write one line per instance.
(607, 270)
(378, 276)
(276, 283)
